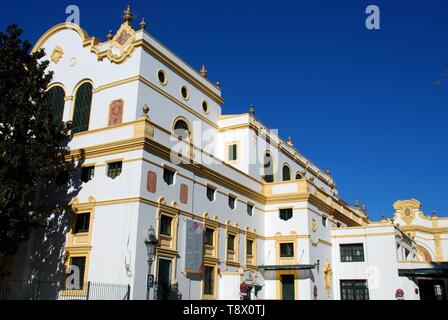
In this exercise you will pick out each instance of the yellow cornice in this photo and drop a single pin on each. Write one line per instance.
(178, 69)
(86, 40)
(437, 230)
(363, 235)
(93, 42)
(141, 141)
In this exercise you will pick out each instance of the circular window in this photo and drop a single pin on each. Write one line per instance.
(407, 213)
(162, 77)
(184, 92)
(205, 106)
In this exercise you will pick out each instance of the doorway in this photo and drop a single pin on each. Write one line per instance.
(432, 289)
(163, 279)
(288, 292)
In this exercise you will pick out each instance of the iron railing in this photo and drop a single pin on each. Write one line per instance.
(46, 290)
(166, 291)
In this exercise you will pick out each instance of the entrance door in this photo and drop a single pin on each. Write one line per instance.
(288, 287)
(163, 279)
(432, 289)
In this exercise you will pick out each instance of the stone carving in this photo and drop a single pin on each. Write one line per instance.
(328, 276)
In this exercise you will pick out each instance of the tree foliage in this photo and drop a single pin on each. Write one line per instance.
(33, 147)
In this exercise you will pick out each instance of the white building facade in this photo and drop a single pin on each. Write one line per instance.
(157, 151)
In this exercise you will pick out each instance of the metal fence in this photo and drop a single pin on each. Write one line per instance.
(46, 290)
(165, 291)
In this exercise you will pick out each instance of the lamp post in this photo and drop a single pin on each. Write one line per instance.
(151, 243)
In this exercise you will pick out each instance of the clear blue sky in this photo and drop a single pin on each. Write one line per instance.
(360, 102)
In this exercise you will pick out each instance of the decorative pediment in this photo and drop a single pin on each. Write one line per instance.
(121, 46)
(407, 209)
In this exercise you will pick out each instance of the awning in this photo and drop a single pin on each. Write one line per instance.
(424, 272)
(287, 267)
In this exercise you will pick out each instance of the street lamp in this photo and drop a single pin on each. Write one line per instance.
(151, 243)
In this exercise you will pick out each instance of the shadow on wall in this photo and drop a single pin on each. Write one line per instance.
(42, 257)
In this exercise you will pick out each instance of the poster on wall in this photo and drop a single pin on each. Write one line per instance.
(194, 246)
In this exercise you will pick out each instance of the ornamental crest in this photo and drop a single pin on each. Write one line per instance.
(328, 276)
(407, 209)
(57, 54)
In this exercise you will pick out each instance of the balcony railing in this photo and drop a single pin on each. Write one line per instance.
(166, 291)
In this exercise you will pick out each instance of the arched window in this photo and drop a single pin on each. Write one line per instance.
(181, 128)
(83, 102)
(268, 167)
(298, 176)
(286, 172)
(55, 97)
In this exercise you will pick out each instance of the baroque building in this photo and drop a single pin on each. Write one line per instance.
(238, 212)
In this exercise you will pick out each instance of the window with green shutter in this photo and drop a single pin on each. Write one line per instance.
(233, 152)
(286, 250)
(209, 236)
(114, 169)
(231, 242)
(354, 290)
(55, 97)
(165, 225)
(82, 222)
(83, 102)
(353, 252)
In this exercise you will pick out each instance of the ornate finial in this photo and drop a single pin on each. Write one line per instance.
(218, 85)
(145, 111)
(251, 110)
(383, 217)
(289, 142)
(127, 15)
(143, 24)
(203, 71)
(110, 35)
(433, 213)
(363, 207)
(357, 203)
(327, 171)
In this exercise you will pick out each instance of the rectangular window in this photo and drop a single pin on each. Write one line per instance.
(352, 252)
(165, 225)
(249, 247)
(287, 250)
(211, 193)
(285, 214)
(114, 169)
(79, 262)
(232, 201)
(231, 242)
(168, 176)
(354, 290)
(82, 222)
(87, 173)
(233, 152)
(250, 209)
(209, 278)
(208, 239)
